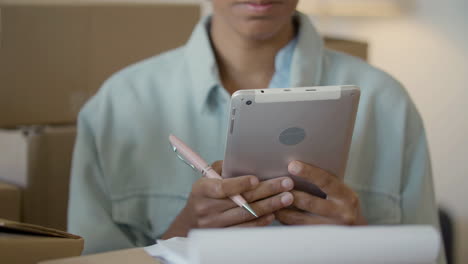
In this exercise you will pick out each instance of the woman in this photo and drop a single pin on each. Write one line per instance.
(127, 181)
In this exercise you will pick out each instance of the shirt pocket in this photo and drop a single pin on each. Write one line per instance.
(144, 217)
(379, 208)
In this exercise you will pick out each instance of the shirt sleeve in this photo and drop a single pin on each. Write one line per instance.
(418, 199)
(89, 211)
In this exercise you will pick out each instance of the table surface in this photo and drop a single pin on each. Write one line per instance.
(135, 255)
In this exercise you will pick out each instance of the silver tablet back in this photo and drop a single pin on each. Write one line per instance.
(272, 127)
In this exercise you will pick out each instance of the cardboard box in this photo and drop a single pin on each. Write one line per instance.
(27, 244)
(356, 48)
(38, 161)
(136, 256)
(10, 202)
(54, 57)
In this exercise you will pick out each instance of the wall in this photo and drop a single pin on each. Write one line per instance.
(427, 50)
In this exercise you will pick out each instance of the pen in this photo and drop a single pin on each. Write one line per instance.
(195, 161)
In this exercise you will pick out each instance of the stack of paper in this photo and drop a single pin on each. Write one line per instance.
(304, 244)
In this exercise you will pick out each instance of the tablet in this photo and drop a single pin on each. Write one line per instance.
(269, 128)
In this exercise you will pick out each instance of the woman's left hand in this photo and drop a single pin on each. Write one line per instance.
(342, 206)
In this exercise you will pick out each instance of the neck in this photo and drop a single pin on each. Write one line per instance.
(246, 63)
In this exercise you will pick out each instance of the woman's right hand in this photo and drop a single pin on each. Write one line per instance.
(209, 206)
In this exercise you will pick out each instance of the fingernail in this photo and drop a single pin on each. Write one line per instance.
(295, 167)
(287, 184)
(286, 199)
(253, 181)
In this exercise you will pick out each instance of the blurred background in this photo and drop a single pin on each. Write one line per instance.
(54, 54)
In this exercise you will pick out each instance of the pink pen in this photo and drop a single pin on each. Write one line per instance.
(195, 161)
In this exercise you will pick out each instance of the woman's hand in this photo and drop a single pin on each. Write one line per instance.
(209, 206)
(342, 206)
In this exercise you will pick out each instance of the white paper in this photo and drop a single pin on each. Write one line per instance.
(315, 244)
(172, 251)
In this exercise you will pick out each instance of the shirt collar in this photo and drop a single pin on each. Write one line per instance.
(202, 63)
(306, 65)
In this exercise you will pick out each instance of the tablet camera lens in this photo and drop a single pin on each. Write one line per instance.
(248, 102)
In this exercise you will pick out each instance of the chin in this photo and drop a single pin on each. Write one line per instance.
(261, 30)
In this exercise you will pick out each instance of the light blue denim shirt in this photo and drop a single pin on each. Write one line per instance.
(283, 60)
(127, 185)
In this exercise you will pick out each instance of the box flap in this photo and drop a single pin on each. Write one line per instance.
(29, 244)
(13, 226)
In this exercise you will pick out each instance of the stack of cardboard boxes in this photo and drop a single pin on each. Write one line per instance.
(53, 58)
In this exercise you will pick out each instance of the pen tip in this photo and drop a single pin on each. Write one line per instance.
(248, 208)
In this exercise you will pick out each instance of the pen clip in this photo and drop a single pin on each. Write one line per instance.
(174, 148)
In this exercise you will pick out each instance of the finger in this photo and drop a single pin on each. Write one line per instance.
(264, 207)
(315, 205)
(321, 178)
(265, 220)
(269, 188)
(222, 188)
(264, 190)
(206, 206)
(294, 217)
(218, 166)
